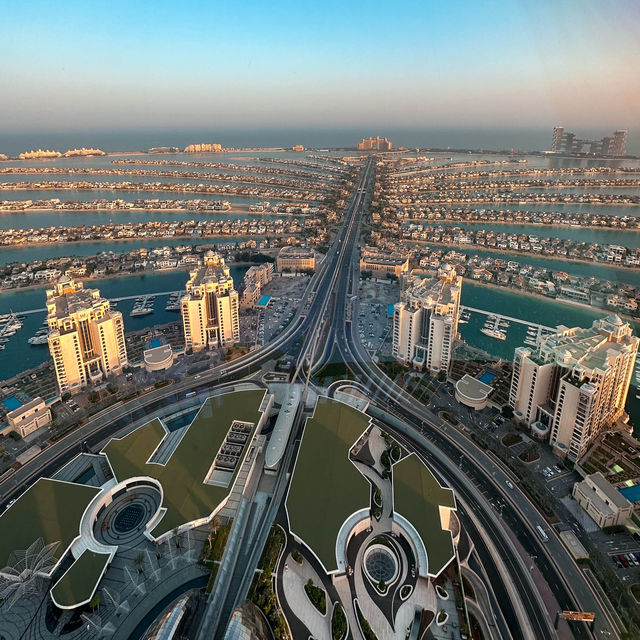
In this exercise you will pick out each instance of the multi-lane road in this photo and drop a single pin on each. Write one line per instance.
(438, 443)
(324, 324)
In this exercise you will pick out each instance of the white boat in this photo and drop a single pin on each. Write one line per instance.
(140, 311)
(494, 333)
(41, 339)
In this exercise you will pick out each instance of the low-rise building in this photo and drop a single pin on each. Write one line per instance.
(602, 501)
(382, 263)
(295, 259)
(29, 416)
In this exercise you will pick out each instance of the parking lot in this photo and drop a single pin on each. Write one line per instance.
(374, 323)
(286, 295)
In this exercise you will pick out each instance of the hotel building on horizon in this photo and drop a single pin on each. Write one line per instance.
(210, 307)
(425, 321)
(377, 144)
(567, 142)
(574, 383)
(86, 338)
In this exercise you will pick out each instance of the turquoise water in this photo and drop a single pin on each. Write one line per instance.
(11, 403)
(487, 377)
(19, 355)
(536, 310)
(128, 196)
(632, 494)
(584, 269)
(43, 219)
(596, 209)
(81, 249)
(629, 239)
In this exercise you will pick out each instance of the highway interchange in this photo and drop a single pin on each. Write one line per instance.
(321, 328)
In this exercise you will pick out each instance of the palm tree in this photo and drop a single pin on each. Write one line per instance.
(138, 561)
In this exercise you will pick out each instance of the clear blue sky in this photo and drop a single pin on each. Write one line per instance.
(78, 64)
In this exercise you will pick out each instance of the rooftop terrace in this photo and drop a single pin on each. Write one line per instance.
(326, 487)
(418, 497)
(49, 509)
(186, 496)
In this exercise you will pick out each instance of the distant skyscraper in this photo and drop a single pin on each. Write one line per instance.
(86, 338)
(619, 146)
(567, 142)
(425, 322)
(575, 382)
(210, 306)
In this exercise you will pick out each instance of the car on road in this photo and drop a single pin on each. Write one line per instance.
(509, 484)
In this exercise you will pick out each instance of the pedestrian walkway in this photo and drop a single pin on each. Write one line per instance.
(293, 580)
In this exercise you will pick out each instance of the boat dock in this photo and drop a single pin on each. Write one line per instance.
(161, 293)
(500, 316)
(499, 332)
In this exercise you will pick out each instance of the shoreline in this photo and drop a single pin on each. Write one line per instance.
(522, 254)
(429, 203)
(573, 303)
(562, 225)
(110, 276)
(188, 240)
(239, 209)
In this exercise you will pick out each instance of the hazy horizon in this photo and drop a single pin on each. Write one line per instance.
(334, 65)
(140, 139)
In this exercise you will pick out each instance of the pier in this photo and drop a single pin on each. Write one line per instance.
(160, 293)
(530, 340)
(503, 317)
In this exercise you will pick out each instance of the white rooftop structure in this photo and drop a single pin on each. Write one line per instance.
(284, 423)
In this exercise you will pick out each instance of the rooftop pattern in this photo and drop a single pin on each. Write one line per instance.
(49, 509)
(80, 581)
(186, 497)
(418, 496)
(326, 487)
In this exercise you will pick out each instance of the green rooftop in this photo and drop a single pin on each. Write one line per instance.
(78, 584)
(49, 509)
(186, 498)
(326, 487)
(417, 496)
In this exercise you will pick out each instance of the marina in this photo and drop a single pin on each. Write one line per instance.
(143, 306)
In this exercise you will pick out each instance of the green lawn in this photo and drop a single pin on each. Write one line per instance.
(186, 498)
(50, 510)
(326, 488)
(417, 496)
(78, 584)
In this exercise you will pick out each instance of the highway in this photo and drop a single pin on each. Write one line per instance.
(122, 415)
(565, 580)
(479, 483)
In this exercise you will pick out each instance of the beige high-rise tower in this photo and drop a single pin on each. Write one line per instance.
(210, 306)
(425, 322)
(575, 382)
(86, 338)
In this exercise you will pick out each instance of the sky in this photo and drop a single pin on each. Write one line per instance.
(74, 65)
